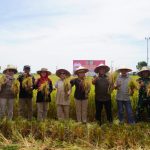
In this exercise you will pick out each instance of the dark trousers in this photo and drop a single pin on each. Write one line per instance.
(140, 108)
(99, 107)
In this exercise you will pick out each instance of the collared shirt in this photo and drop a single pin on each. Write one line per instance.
(102, 85)
(123, 90)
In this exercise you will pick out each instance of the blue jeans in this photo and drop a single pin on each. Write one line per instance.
(127, 104)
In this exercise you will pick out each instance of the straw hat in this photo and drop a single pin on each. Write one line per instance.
(124, 68)
(44, 70)
(59, 71)
(81, 69)
(96, 70)
(144, 69)
(10, 67)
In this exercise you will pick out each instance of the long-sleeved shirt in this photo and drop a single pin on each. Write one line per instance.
(6, 91)
(40, 96)
(61, 97)
(102, 86)
(23, 92)
(80, 93)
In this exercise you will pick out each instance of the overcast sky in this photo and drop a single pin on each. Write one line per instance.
(50, 33)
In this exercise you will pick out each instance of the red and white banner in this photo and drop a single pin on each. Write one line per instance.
(90, 64)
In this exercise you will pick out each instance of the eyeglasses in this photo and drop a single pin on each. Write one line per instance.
(62, 73)
(11, 70)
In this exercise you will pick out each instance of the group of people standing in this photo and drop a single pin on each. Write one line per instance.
(25, 83)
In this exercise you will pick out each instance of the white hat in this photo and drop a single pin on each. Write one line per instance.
(10, 67)
(96, 70)
(59, 71)
(124, 68)
(44, 70)
(81, 69)
(144, 69)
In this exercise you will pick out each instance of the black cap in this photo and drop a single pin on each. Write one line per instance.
(26, 67)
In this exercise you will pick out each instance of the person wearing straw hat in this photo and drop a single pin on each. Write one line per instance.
(7, 93)
(63, 87)
(82, 89)
(123, 95)
(25, 96)
(44, 87)
(144, 93)
(102, 94)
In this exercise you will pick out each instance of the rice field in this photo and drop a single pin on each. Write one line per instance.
(21, 134)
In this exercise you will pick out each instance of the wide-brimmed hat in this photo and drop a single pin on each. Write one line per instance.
(124, 68)
(81, 69)
(66, 72)
(144, 69)
(44, 70)
(96, 70)
(10, 67)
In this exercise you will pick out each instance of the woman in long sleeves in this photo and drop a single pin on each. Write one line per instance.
(63, 92)
(44, 87)
(9, 88)
(82, 89)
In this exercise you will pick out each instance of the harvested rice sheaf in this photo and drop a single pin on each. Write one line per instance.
(2, 80)
(148, 89)
(27, 83)
(44, 88)
(15, 87)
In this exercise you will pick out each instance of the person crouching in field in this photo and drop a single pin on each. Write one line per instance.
(44, 87)
(63, 92)
(9, 88)
(144, 93)
(124, 90)
(25, 95)
(102, 94)
(82, 89)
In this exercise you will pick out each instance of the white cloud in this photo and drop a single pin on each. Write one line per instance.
(98, 29)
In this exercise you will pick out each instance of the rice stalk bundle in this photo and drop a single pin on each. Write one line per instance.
(44, 88)
(148, 90)
(15, 87)
(112, 77)
(2, 80)
(86, 86)
(67, 85)
(27, 83)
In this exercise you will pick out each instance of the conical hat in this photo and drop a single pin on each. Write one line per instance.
(96, 70)
(144, 69)
(124, 68)
(81, 69)
(10, 67)
(59, 71)
(44, 70)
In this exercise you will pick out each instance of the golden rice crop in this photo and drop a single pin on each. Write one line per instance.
(45, 89)
(27, 82)
(15, 87)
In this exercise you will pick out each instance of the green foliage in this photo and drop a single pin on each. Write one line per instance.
(141, 64)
